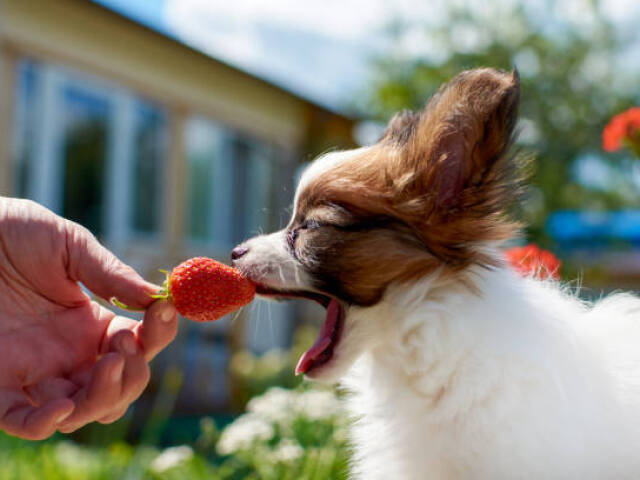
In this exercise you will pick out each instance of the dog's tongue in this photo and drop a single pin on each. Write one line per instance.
(324, 340)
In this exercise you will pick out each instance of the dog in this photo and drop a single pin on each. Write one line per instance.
(458, 367)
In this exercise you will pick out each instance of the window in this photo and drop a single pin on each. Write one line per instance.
(148, 164)
(84, 156)
(231, 185)
(209, 189)
(26, 118)
(90, 151)
(254, 183)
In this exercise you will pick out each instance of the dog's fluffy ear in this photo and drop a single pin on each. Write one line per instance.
(460, 140)
(462, 178)
(474, 117)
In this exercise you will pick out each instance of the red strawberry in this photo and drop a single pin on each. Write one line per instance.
(203, 289)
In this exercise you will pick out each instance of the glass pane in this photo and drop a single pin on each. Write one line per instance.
(240, 151)
(253, 185)
(231, 185)
(201, 149)
(222, 214)
(199, 188)
(260, 181)
(26, 117)
(148, 165)
(84, 155)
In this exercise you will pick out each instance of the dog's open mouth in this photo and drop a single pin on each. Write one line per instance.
(322, 351)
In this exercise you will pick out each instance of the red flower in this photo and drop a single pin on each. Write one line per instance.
(625, 125)
(532, 260)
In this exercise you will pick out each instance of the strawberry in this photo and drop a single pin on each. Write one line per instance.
(203, 289)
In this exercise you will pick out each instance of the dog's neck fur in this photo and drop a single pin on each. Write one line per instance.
(452, 377)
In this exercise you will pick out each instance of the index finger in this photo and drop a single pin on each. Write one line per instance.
(102, 272)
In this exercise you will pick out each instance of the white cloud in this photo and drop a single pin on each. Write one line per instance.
(321, 50)
(313, 50)
(317, 49)
(347, 20)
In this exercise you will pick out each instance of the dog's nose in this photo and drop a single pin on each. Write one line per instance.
(238, 252)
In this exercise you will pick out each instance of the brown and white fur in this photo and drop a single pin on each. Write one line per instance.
(459, 368)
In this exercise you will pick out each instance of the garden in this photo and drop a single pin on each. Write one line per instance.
(579, 119)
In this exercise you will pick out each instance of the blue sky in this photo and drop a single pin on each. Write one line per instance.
(147, 12)
(322, 50)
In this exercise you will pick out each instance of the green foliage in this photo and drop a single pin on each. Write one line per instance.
(64, 460)
(286, 434)
(571, 85)
(254, 375)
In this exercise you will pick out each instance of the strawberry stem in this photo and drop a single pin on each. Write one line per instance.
(163, 294)
(119, 304)
(165, 291)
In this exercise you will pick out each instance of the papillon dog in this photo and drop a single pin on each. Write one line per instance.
(458, 367)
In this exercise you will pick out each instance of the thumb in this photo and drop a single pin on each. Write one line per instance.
(102, 272)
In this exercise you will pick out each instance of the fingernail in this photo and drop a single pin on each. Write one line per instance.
(129, 346)
(63, 417)
(167, 313)
(116, 376)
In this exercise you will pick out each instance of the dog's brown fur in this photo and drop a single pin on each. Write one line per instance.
(441, 178)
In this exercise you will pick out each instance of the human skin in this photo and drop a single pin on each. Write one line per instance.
(66, 360)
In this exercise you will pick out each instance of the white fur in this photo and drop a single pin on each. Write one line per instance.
(321, 165)
(269, 262)
(518, 381)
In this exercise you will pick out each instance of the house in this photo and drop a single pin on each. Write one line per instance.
(162, 151)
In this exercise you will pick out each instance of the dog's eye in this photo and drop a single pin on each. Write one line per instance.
(294, 233)
(292, 236)
(310, 225)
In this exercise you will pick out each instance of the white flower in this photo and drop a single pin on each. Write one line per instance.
(73, 456)
(279, 404)
(171, 457)
(275, 405)
(286, 451)
(318, 405)
(242, 433)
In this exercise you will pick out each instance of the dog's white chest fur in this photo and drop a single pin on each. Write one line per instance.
(517, 381)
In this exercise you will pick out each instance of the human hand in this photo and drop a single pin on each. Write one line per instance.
(66, 360)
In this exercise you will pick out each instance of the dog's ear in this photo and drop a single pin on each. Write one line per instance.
(473, 120)
(401, 127)
(449, 170)
(458, 143)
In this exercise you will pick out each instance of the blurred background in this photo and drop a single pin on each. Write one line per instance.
(174, 128)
